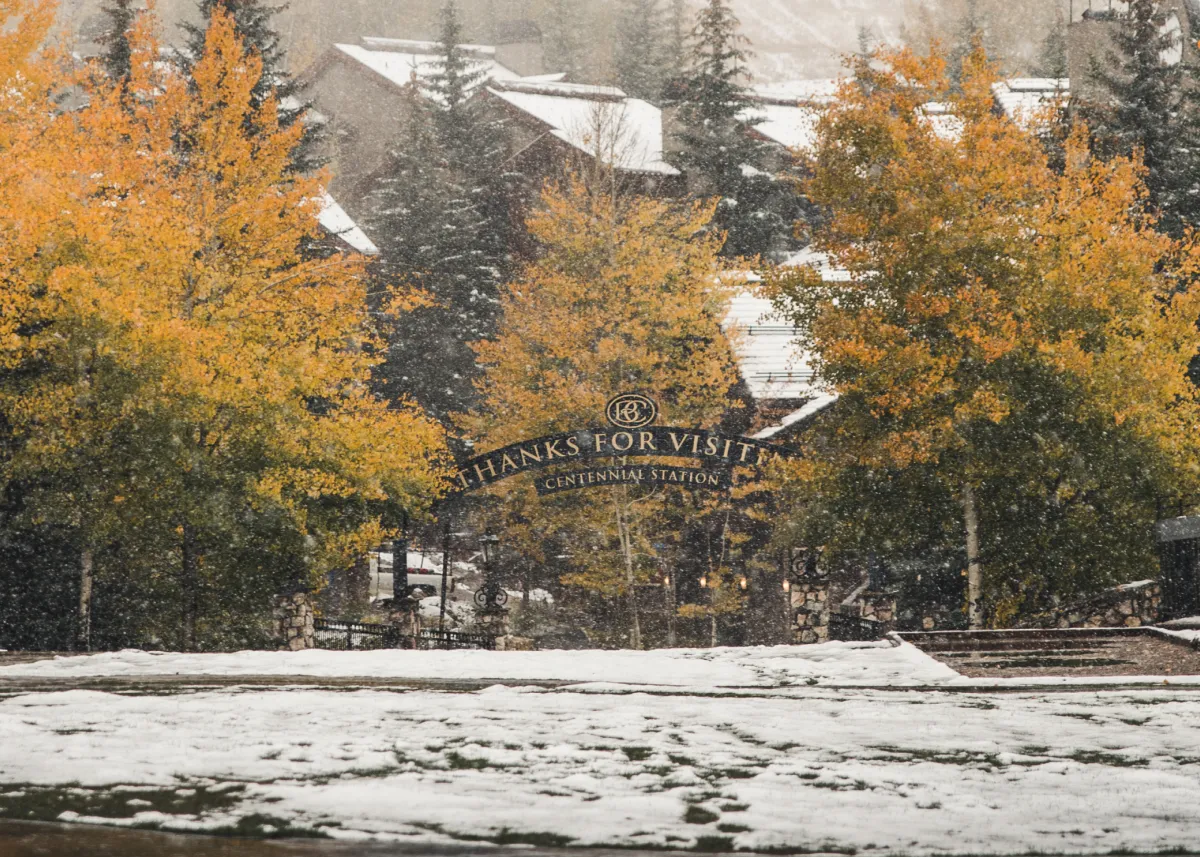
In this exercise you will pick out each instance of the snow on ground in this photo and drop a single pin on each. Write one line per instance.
(906, 771)
(762, 667)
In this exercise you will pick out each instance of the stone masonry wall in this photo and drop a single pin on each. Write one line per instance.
(293, 617)
(810, 605)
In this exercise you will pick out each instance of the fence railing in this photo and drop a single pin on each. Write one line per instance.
(853, 629)
(359, 636)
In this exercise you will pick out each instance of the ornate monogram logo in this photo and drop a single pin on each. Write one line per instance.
(631, 411)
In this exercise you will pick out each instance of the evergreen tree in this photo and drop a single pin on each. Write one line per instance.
(253, 20)
(639, 51)
(678, 27)
(443, 218)
(1152, 106)
(565, 47)
(719, 153)
(1053, 60)
(120, 15)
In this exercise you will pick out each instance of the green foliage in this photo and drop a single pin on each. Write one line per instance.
(120, 15)
(1151, 108)
(719, 153)
(639, 55)
(443, 214)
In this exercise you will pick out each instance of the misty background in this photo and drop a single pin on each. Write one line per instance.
(791, 39)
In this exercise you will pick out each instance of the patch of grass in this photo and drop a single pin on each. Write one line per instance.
(733, 828)
(785, 746)
(258, 826)
(1112, 760)
(459, 762)
(637, 754)
(699, 815)
(734, 807)
(681, 760)
(732, 773)
(713, 844)
(39, 803)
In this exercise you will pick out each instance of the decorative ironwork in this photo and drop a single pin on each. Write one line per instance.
(359, 636)
(491, 594)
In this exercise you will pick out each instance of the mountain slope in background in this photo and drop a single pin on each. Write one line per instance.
(790, 38)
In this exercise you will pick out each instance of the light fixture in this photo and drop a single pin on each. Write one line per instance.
(489, 543)
(787, 585)
(703, 582)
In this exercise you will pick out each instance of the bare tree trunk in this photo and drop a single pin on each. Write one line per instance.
(974, 569)
(712, 627)
(83, 630)
(671, 601)
(635, 625)
(190, 584)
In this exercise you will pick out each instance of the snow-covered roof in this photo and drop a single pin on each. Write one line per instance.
(810, 410)
(399, 60)
(1025, 99)
(334, 220)
(772, 364)
(787, 113)
(578, 113)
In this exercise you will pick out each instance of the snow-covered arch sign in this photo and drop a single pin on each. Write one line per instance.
(630, 434)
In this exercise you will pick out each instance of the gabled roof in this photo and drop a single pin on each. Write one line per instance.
(787, 113)
(1026, 99)
(772, 364)
(400, 60)
(334, 220)
(577, 113)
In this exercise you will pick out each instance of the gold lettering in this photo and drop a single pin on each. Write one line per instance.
(745, 449)
(573, 446)
(710, 446)
(527, 456)
(507, 464)
(601, 440)
(622, 441)
(491, 470)
(552, 450)
(646, 441)
(725, 452)
(678, 442)
(462, 477)
(695, 444)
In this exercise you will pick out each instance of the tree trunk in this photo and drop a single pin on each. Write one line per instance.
(671, 601)
(83, 630)
(190, 585)
(712, 627)
(974, 569)
(635, 625)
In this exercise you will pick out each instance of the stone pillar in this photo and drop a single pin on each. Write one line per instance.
(492, 620)
(293, 616)
(810, 606)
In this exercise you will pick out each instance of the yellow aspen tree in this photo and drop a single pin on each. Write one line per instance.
(219, 375)
(625, 298)
(984, 283)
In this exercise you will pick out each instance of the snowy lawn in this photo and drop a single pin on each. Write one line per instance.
(763, 667)
(812, 767)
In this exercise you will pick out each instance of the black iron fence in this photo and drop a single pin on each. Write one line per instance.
(359, 636)
(854, 629)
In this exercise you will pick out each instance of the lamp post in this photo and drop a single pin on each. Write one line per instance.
(491, 596)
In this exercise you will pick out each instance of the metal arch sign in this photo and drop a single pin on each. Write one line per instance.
(629, 435)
